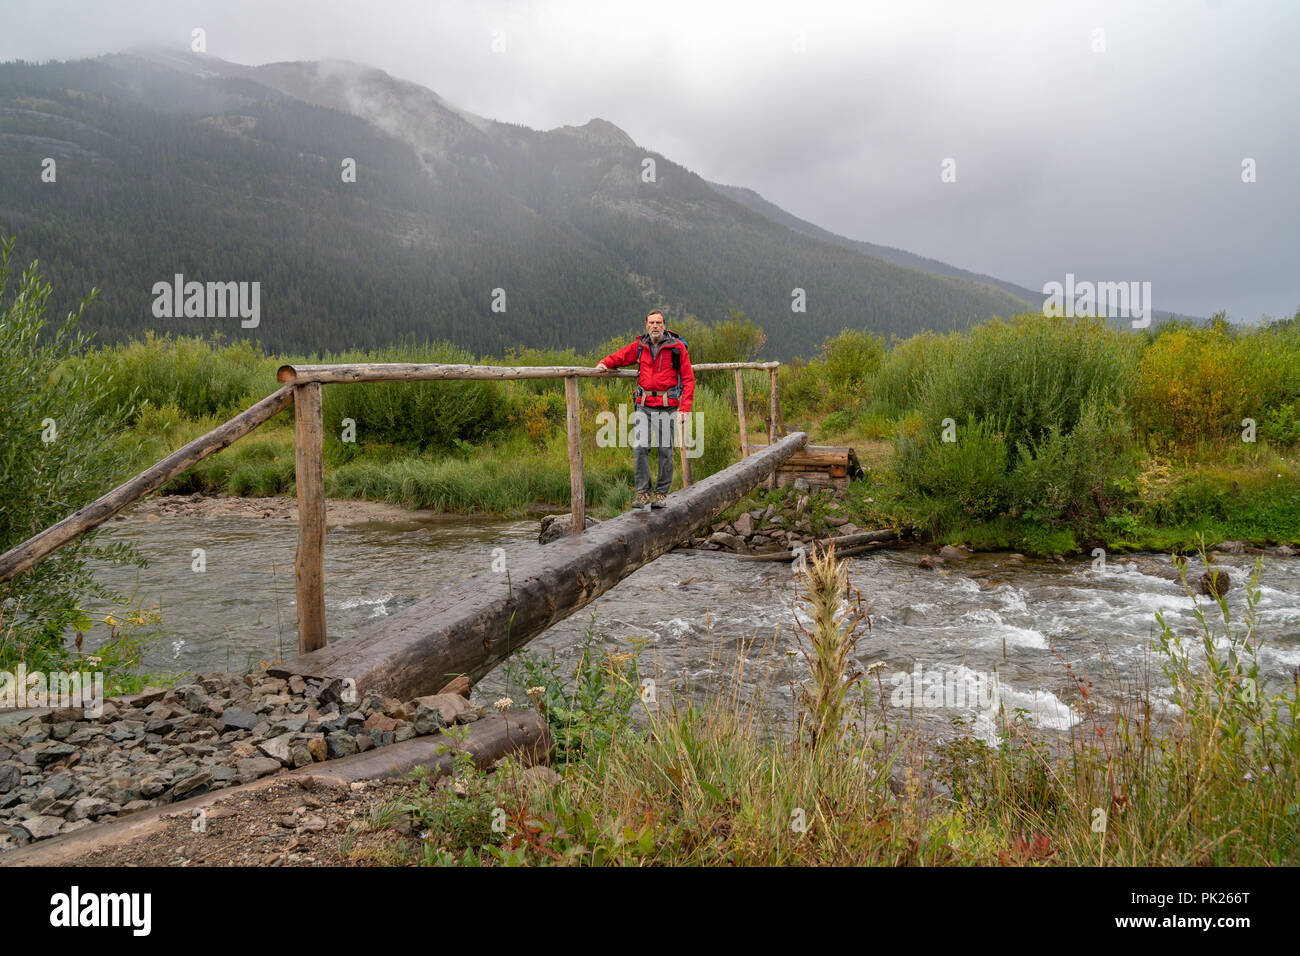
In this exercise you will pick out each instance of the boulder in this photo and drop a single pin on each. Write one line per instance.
(459, 685)
(555, 527)
(1215, 582)
(254, 768)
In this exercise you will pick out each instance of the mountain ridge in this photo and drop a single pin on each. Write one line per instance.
(226, 168)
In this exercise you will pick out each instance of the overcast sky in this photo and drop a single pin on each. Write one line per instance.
(1114, 155)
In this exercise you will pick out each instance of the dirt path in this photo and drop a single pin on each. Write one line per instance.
(294, 822)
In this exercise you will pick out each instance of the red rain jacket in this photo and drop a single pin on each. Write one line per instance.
(656, 373)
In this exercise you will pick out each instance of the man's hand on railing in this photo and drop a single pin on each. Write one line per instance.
(600, 367)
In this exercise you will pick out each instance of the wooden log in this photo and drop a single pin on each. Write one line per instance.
(845, 545)
(577, 488)
(470, 627)
(25, 555)
(425, 372)
(862, 537)
(740, 414)
(820, 455)
(309, 471)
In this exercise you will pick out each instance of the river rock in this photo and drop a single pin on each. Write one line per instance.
(235, 719)
(450, 706)
(277, 748)
(10, 777)
(1230, 547)
(459, 685)
(428, 720)
(929, 563)
(40, 827)
(54, 752)
(745, 525)
(1215, 582)
(380, 722)
(950, 552)
(555, 527)
(193, 783)
(724, 540)
(318, 749)
(340, 744)
(836, 521)
(252, 768)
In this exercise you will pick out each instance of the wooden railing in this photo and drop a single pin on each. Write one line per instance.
(301, 387)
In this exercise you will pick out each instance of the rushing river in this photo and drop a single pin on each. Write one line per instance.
(697, 615)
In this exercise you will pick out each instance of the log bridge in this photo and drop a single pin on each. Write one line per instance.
(470, 627)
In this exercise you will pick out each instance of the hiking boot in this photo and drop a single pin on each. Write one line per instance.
(640, 499)
(658, 501)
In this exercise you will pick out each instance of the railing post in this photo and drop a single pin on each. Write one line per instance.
(771, 425)
(686, 462)
(740, 414)
(776, 405)
(577, 489)
(309, 471)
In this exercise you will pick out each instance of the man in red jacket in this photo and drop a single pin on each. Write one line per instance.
(665, 386)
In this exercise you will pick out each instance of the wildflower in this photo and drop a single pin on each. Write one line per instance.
(110, 621)
(877, 666)
(504, 704)
(536, 693)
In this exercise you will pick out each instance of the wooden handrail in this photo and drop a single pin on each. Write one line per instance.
(25, 555)
(433, 372)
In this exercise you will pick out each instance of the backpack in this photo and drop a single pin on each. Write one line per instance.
(675, 391)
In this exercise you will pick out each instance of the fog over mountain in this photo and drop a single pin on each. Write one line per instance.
(370, 210)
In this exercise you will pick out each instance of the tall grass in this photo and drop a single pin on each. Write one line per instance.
(200, 378)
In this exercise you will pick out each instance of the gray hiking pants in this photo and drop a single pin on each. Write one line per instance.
(653, 428)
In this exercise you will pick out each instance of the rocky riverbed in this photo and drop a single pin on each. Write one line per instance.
(62, 769)
(815, 516)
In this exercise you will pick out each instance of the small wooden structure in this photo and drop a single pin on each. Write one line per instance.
(301, 388)
(822, 466)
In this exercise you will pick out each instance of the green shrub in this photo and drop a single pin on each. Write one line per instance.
(852, 357)
(1066, 477)
(58, 451)
(963, 477)
(418, 414)
(1031, 374)
(897, 386)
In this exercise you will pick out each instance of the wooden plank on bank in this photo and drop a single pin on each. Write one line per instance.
(471, 626)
